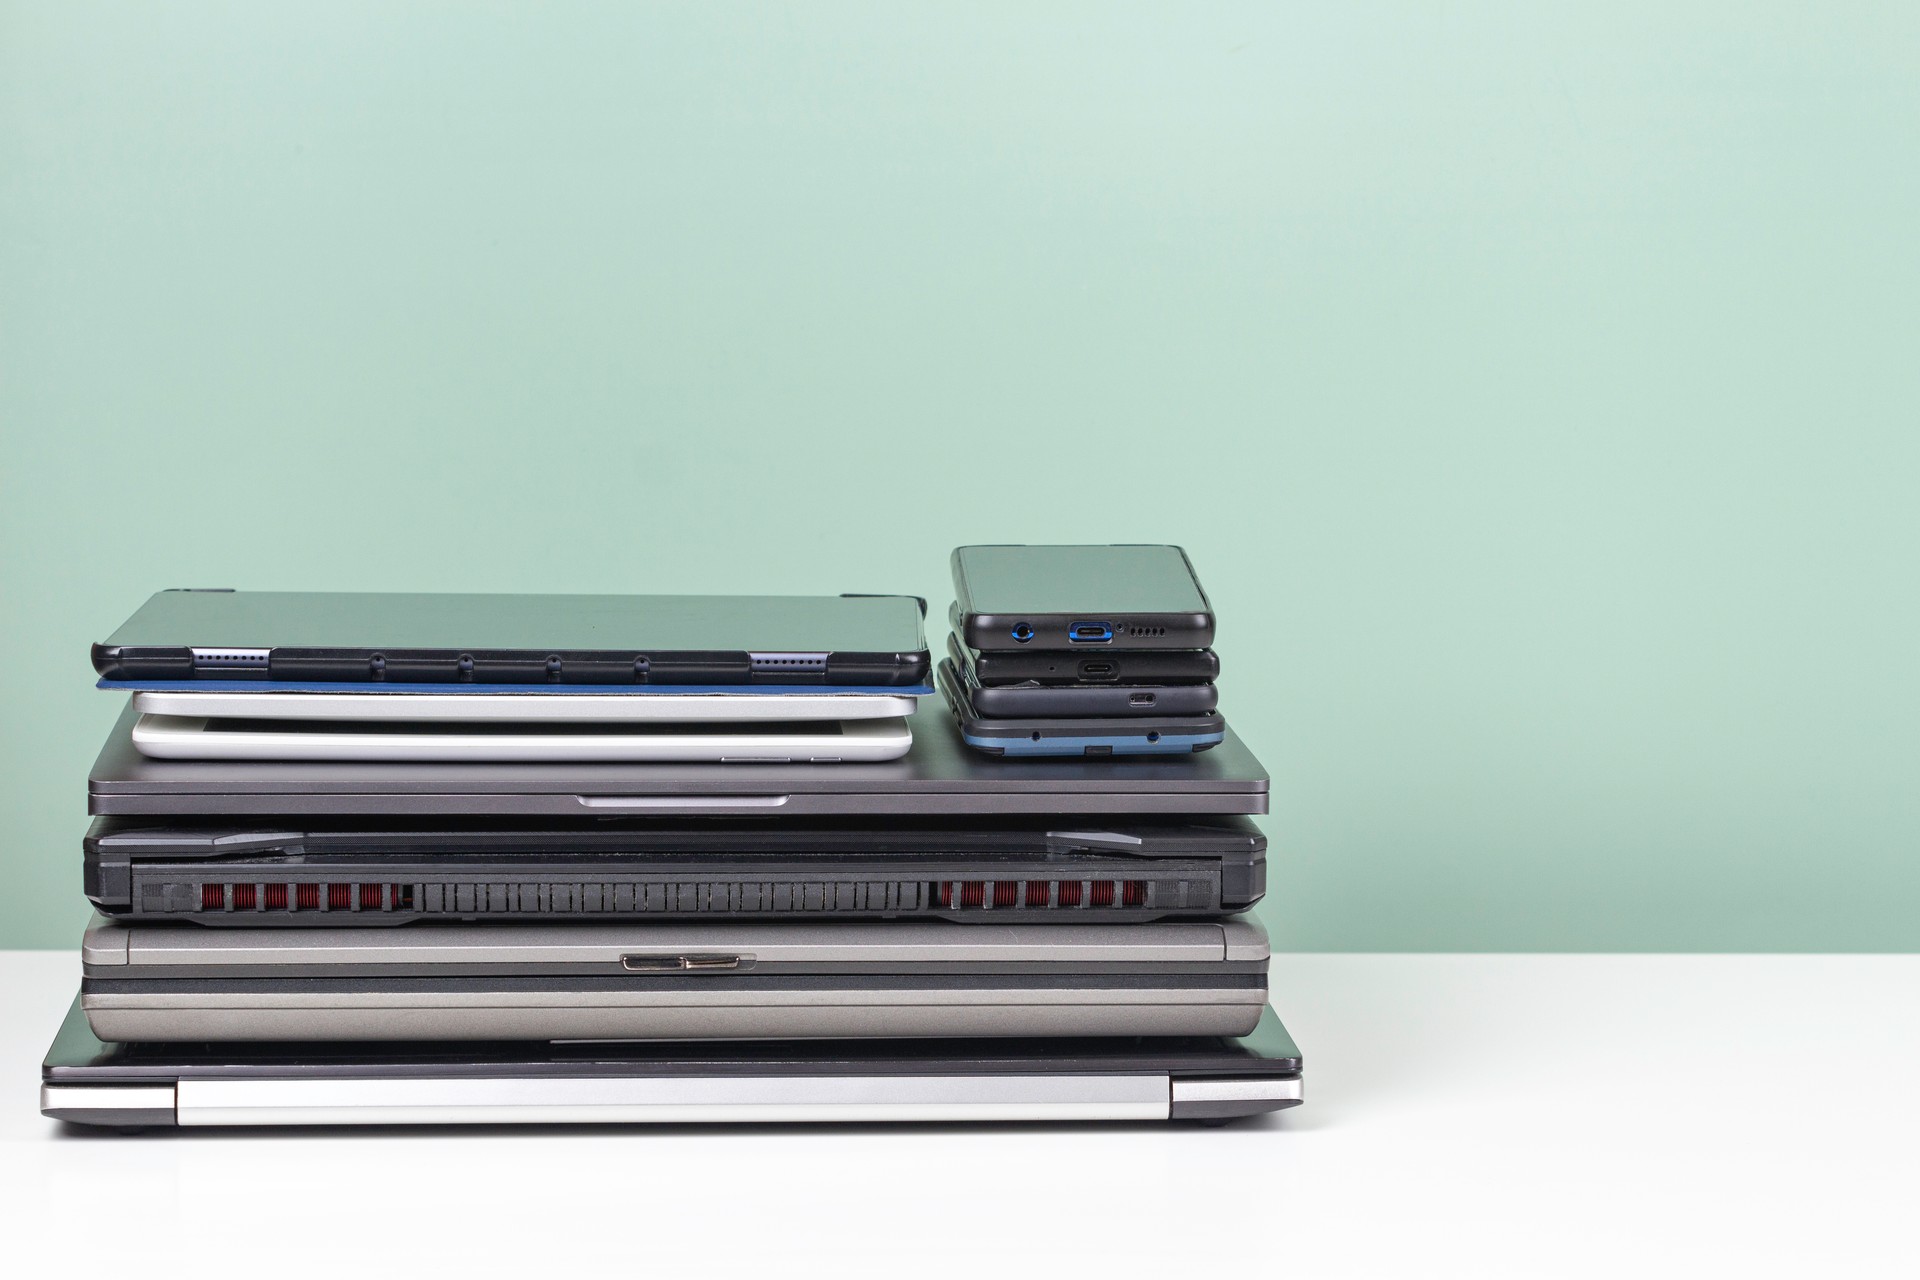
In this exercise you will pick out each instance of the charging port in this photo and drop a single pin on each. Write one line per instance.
(1096, 671)
(1090, 633)
(1139, 699)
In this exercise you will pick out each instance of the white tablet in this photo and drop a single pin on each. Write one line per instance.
(551, 708)
(783, 742)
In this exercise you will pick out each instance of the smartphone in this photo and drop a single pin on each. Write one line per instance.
(1030, 698)
(1079, 598)
(1096, 666)
(1077, 736)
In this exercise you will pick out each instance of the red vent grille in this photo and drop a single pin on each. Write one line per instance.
(1041, 894)
(306, 897)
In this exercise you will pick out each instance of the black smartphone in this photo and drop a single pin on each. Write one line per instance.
(1031, 698)
(1052, 667)
(1072, 598)
(1091, 736)
(365, 637)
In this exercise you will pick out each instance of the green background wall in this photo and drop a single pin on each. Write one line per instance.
(1533, 385)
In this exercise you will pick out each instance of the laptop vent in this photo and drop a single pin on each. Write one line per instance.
(1002, 895)
(680, 898)
(891, 897)
(306, 897)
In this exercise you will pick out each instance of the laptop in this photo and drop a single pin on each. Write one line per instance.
(746, 980)
(87, 1081)
(347, 872)
(782, 742)
(939, 775)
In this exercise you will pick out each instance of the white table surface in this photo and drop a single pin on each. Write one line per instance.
(1466, 1115)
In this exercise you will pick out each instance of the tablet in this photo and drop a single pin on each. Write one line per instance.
(551, 707)
(519, 639)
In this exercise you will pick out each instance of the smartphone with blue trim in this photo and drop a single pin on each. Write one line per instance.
(1083, 736)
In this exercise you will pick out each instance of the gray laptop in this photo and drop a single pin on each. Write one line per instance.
(1208, 1079)
(938, 775)
(732, 981)
(336, 872)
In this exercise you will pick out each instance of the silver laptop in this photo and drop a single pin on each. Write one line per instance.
(938, 775)
(1209, 1079)
(747, 980)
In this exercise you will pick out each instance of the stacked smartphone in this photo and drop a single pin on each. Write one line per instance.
(439, 859)
(1081, 651)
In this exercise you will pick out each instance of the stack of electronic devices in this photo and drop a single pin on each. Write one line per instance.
(366, 859)
(1081, 651)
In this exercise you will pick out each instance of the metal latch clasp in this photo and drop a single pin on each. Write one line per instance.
(683, 964)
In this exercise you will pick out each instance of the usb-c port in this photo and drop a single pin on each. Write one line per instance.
(1090, 633)
(1096, 671)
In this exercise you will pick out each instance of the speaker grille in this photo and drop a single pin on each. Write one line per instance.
(248, 659)
(788, 663)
